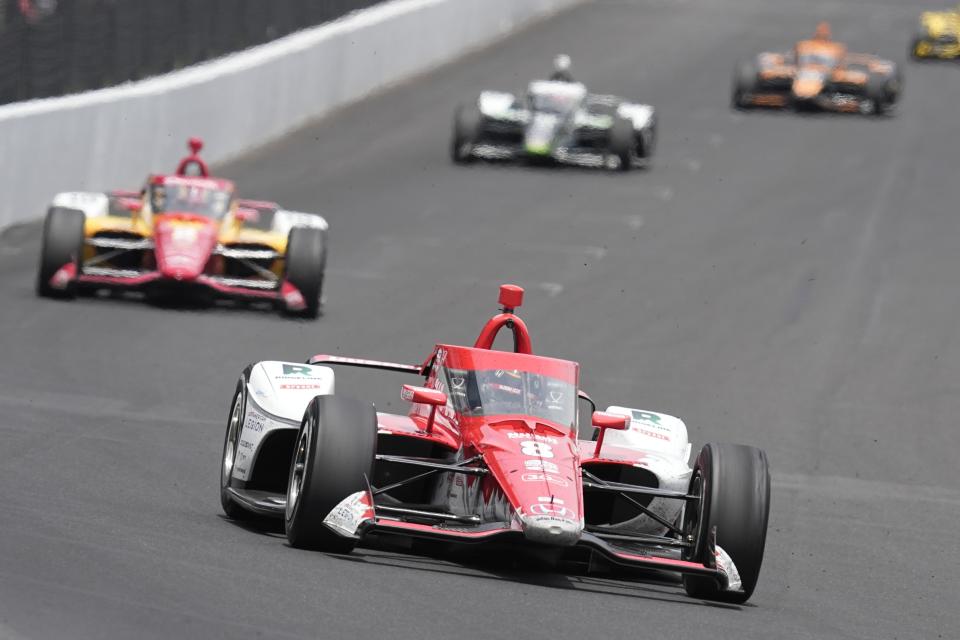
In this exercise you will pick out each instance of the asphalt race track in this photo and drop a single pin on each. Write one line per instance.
(780, 280)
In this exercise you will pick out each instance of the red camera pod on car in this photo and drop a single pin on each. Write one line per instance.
(193, 159)
(511, 297)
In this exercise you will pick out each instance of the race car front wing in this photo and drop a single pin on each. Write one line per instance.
(357, 517)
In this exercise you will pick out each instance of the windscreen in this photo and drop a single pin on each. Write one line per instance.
(554, 102)
(817, 58)
(495, 392)
(189, 198)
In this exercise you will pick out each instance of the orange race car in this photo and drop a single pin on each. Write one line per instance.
(818, 74)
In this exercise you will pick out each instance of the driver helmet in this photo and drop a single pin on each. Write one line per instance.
(158, 198)
(823, 32)
(505, 388)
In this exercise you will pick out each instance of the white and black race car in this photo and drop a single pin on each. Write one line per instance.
(556, 122)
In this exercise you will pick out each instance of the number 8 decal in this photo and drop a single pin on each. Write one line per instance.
(538, 449)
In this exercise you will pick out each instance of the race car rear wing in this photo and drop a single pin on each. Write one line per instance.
(369, 364)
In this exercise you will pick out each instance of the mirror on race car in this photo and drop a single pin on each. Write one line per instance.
(134, 206)
(603, 421)
(247, 215)
(423, 395)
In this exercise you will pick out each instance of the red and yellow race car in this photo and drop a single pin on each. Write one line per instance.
(489, 454)
(184, 235)
(818, 73)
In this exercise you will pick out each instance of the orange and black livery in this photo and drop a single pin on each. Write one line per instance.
(818, 74)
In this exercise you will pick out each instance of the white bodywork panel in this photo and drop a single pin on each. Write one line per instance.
(284, 220)
(663, 449)
(640, 115)
(277, 395)
(572, 90)
(495, 103)
(652, 432)
(285, 388)
(93, 205)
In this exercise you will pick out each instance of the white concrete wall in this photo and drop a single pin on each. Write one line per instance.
(111, 138)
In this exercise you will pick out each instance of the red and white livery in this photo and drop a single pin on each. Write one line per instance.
(489, 453)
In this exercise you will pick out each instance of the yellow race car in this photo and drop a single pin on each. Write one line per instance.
(184, 235)
(938, 35)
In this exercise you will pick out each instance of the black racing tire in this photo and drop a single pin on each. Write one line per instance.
(894, 85)
(333, 458)
(877, 93)
(466, 131)
(62, 243)
(920, 36)
(305, 262)
(914, 43)
(734, 483)
(621, 142)
(744, 82)
(646, 147)
(231, 441)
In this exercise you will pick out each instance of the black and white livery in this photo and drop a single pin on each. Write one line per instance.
(556, 121)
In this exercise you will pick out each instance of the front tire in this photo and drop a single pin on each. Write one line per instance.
(333, 458)
(744, 83)
(915, 49)
(466, 132)
(734, 484)
(62, 245)
(621, 143)
(306, 260)
(877, 94)
(231, 440)
(647, 144)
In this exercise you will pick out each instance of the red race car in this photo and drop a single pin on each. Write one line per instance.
(184, 234)
(489, 454)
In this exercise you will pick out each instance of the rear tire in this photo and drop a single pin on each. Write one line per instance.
(734, 481)
(744, 83)
(621, 143)
(231, 440)
(306, 260)
(466, 132)
(62, 244)
(332, 459)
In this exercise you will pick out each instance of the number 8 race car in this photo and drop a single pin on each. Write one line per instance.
(489, 454)
(184, 235)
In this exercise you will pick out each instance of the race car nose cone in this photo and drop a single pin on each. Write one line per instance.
(181, 267)
(551, 529)
(182, 248)
(539, 135)
(807, 88)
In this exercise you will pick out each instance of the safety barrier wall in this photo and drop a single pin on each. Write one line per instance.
(111, 138)
(54, 47)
